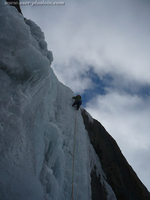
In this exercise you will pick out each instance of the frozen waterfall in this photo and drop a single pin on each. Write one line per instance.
(37, 121)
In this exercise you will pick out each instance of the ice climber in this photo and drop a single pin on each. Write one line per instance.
(78, 101)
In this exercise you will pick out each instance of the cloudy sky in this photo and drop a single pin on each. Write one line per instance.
(101, 50)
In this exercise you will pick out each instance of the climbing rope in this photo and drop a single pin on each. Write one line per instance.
(73, 155)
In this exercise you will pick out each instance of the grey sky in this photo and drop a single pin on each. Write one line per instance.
(111, 37)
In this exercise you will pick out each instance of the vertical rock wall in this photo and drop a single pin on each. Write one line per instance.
(120, 175)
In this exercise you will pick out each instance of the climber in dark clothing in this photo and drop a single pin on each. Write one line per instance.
(78, 101)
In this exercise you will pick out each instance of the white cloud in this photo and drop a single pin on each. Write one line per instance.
(111, 35)
(72, 75)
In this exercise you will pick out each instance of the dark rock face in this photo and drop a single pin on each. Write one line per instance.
(15, 3)
(98, 190)
(120, 175)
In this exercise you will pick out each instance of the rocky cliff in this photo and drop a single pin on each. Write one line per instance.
(120, 175)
